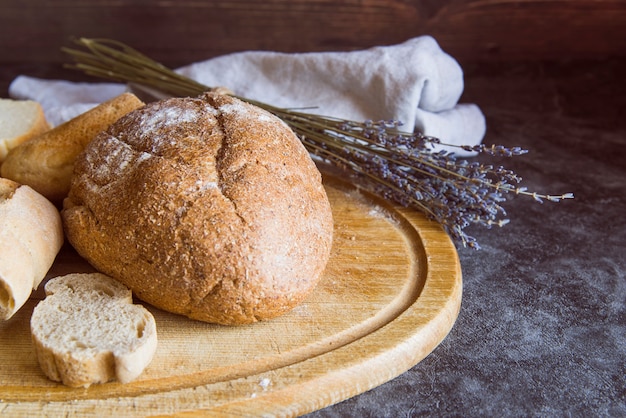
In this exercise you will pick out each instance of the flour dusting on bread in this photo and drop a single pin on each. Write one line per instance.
(207, 207)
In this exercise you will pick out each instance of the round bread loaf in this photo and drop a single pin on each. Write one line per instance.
(207, 207)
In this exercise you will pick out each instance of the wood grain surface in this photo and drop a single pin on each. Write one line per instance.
(180, 32)
(389, 296)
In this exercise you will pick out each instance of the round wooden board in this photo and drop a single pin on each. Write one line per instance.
(389, 296)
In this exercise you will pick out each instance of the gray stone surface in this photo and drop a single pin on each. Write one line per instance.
(542, 327)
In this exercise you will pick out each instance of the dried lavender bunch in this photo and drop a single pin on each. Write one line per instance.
(403, 167)
(399, 166)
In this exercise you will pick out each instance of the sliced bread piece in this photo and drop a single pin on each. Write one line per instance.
(87, 330)
(20, 120)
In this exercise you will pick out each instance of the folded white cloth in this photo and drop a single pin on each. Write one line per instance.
(414, 82)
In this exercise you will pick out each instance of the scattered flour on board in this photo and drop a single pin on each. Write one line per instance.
(375, 211)
(265, 382)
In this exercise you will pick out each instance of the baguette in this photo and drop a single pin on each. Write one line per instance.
(31, 235)
(20, 120)
(87, 330)
(46, 162)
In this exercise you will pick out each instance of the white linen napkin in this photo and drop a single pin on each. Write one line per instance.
(414, 82)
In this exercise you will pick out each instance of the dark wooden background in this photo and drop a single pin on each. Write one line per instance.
(179, 32)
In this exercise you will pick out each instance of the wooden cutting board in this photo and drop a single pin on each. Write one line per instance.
(390, 294)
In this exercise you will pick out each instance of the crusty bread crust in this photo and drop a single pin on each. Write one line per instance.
(206, 207)
(46, 162)
(87, 330)
(31, 235)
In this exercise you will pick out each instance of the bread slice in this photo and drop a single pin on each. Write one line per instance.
(20, 120)
(87, 330)
(31, 236)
